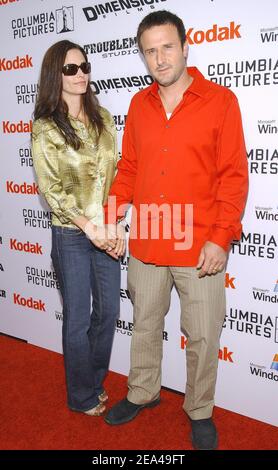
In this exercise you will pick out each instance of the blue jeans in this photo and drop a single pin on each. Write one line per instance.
(88, 325)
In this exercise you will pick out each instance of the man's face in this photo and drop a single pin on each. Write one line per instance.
(164, 54)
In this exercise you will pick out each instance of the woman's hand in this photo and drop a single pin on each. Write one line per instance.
(100, 237)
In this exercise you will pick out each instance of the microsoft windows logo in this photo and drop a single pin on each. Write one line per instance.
(274, 364)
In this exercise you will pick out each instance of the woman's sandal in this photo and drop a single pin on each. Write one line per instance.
(98, 410)
(103, 397)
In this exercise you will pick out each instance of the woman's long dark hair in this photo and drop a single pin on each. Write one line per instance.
(49, 103)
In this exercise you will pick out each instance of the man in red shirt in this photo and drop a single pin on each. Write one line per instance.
(184, 168)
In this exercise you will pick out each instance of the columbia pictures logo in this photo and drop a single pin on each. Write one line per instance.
(64, 20)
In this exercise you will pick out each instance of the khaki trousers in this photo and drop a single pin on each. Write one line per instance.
(202, 314)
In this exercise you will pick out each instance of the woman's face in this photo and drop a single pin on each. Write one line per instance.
(74, 84)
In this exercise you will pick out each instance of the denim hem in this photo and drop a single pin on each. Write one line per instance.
(82, 411)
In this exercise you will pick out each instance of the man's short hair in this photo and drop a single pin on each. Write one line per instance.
(158, 18)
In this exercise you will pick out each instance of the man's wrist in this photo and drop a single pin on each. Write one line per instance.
(121, 221)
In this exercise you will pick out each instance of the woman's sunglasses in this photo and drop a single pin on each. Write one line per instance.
(72, 69)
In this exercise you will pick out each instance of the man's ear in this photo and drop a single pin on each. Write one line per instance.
(185, 50)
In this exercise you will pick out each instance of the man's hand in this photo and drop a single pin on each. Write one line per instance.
(119, 249)
(212, 259)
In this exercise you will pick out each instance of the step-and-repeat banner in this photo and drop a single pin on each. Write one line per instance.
(233, 43)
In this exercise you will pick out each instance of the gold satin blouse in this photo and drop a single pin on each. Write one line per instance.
(75, 182)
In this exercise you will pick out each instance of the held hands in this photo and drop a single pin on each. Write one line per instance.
(110, 238)
(212, 259)
(120, 247)
(99, 236)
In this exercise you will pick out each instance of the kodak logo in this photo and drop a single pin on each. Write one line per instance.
(27, 247)
(225, 355)
(15, 64)
(16, 127)
(5, 2)
(29, 303)
(216, 33)
(23, 188)
(183, 342)
(229, 281)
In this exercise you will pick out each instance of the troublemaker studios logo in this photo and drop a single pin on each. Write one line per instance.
(120, 120)
(113, 48)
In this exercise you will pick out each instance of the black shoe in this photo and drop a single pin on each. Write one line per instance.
(124, 411)
(204, 434)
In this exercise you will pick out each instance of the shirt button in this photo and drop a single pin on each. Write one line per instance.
(165, 150)
(161, 196)
(163, 172)
(167, 126)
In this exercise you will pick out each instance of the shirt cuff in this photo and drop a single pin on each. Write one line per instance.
(113, 216)
(222, 237)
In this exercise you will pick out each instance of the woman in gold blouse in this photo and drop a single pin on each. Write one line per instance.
(74, 149)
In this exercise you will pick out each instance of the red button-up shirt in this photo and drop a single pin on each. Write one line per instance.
(196, 158)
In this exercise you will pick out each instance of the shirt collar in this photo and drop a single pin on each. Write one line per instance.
(199, 86)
